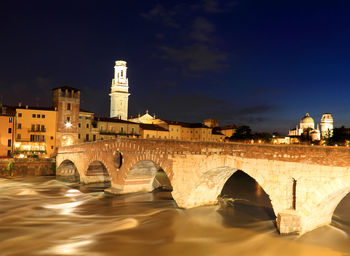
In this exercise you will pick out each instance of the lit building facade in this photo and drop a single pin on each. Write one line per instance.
(119, 92)
(35, 131)
(6, 131)
(67, 102)
(307, 127)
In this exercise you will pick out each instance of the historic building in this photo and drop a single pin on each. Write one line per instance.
(67, 102)
(307, 128)
(35, 131)
(119, 92)
(7, 117)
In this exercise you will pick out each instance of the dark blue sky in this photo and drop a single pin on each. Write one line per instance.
(260, 63)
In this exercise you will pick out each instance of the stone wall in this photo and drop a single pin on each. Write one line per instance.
(27, 167)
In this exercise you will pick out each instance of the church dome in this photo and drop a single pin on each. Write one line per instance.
(307, 119)
(307, 122)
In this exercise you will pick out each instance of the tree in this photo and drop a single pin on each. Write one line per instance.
(242, 133)
(340, 136)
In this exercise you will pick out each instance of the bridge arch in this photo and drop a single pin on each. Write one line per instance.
(146, 175)
(96, 172)
(211, 183)
(326, 198)
(67, 170)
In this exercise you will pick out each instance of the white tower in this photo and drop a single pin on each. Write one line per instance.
(119, 91)
(327, 125)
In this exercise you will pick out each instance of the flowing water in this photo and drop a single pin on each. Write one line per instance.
(44, 216)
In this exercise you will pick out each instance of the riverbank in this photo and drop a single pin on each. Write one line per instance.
(15, 167)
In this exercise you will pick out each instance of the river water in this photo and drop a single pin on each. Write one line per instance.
(44, 216)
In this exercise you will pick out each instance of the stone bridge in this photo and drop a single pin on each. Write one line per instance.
(305, 183)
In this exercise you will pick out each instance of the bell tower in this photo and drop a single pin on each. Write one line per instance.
(119, 92)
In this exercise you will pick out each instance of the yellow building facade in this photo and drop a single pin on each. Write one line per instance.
(6, 134)
(35, 131)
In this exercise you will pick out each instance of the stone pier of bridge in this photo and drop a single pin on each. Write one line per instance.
(304, 183)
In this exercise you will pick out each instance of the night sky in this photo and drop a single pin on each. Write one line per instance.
(260, 63)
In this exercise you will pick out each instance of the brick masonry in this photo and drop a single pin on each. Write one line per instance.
(27, 167)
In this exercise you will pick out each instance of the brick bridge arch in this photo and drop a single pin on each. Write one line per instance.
(304, 183)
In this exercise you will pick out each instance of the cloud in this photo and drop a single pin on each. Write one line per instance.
(163, 15)
(214, 6)
(196, 57)
(196, 50)
(202, 30)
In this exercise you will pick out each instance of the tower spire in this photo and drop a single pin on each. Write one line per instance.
(119, 91)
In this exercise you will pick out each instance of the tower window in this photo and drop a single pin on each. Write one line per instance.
(68, 118)
(87, 125)
(33, 115)
(18, 136)
(19, 114)
(38, 116)
(9, 142)
(42, 116)
(19, 126)
(68, 106)
(10, 130)
(10, 120)
(121, 73)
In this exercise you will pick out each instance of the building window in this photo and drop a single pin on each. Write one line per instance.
(33, 128)
(79, 125)
(10, 120)
(87, 125)
(8, 152)
(42, 116)
(87, 137)
(33, 115)
(160, 137)
(19, 114)
(68, 106)
(51, 137)
(147, 136)
(10, 130)
(43, 129)
(18, 136)
(94, 137)
(9, 142)
(79, 136)
(153, 137)
(121, 129)
(51, 147)
(68, 118)
(121, 73)
(38, 115)
(101, 127)
(132, 130)
(164, 137)
(38, 127)
(19, 126)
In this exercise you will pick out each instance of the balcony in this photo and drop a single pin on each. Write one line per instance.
(42, 129)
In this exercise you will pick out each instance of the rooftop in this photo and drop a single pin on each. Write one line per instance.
(113, 120)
